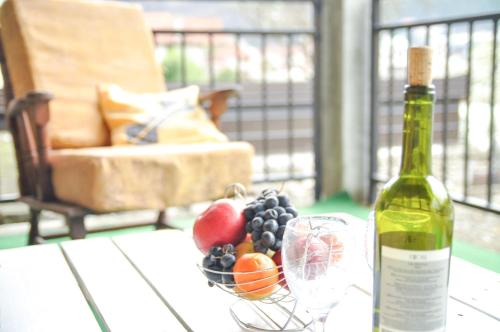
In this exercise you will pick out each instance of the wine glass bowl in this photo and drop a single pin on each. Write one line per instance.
(316, 257)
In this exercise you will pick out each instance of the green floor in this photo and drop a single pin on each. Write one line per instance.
(337, 203)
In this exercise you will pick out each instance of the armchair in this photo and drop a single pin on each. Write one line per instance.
(54, 60)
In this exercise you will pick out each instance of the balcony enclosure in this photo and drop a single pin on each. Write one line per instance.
(274, 72)
(273, 69)
(465, 127)
(339, 128)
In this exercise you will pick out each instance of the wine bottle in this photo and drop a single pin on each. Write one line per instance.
(413, 221)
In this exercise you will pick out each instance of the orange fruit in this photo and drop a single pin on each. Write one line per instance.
(244, 248)
(256, 276)
(246, 295)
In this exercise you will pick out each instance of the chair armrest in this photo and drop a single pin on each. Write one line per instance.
(27, 120)
(217, 102)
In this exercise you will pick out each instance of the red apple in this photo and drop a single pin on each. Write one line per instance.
(314, 249)
(278, 261)
(318, 249)
(277, 257)
(222, 223)
(317, 254)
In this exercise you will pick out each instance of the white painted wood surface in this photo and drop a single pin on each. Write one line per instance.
(123, 298)
(210, 309)
(38, 293)
(168, 260)
(479, 287)
(474, 292)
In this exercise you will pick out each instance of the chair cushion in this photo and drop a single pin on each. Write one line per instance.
(171, 117)
(67, 47)
(153, 176)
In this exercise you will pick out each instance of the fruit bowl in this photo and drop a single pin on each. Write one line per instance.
(241, 244)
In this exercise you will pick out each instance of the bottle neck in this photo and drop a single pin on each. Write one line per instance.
(417, 131)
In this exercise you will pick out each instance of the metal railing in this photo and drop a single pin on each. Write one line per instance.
(279, 117)
(465, 133)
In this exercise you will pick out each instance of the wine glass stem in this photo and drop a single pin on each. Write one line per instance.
(320, 323)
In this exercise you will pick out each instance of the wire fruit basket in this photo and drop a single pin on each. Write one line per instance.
(264, 301)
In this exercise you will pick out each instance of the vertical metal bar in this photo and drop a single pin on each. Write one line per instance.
(289, 98)
(265, 129)
(374, 102)
(1, 164)
(408, 37)
(491, 151)
(427, 35)
(317, 99)
(211, 74)
(183, 59)
(239, 128)
(467, 92)
(445, 105)
(390, 105)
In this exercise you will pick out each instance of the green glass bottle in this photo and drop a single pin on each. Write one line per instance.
(413, 221)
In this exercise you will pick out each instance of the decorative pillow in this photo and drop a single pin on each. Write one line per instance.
(171, 117)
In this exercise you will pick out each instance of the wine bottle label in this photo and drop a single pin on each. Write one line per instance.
(414, 289)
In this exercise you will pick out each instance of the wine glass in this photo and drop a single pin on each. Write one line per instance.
(316, 255)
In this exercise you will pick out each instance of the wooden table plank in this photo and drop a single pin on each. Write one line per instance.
(353, 313)
(168, 260)
(147, 250)
(463, 318)
(474, 292)
(355, 310)
(38, 292)
(474, 285)
(121, 296)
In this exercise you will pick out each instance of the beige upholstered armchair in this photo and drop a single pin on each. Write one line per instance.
(57, 52)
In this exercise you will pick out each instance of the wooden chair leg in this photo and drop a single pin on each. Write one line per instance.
(34, 234)
(162, 221)
(76, 227)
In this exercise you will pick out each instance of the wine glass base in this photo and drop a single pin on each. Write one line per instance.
(279, 316)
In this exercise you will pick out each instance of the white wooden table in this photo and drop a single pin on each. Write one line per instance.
(150, 282)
